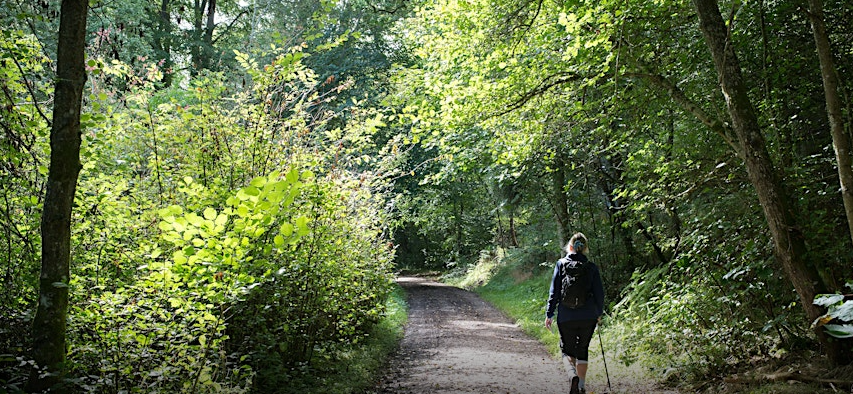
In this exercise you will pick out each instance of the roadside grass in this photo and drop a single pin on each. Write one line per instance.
(356, 368)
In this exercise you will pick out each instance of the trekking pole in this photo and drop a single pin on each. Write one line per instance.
(601, 343)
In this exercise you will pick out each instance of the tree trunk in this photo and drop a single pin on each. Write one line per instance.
(48, 332)
(513, 237)
(196, 49)
(457, 245)
(842, 352)
(204, 12)
(209, 25)
(833, 108)
(789, 244)
(163, 41)
(561, 205)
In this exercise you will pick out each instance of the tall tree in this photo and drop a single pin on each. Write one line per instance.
(216, 27)
(163, 39)
(788, 240)
(840, 142)
(48, 333)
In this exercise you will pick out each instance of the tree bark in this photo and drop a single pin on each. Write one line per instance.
(842, 351)
(789, 244)
(561, 205)
(48, 332)
(163, 40)
(204, 12)
(840, 142)
(196, 49)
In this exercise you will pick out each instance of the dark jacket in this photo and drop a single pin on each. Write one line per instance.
(594, 306)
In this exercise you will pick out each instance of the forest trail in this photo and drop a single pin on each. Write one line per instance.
(455, 342)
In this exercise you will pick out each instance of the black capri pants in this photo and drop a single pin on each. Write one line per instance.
(575, 336)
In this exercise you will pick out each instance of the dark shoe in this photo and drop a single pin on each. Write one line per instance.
(574, 389)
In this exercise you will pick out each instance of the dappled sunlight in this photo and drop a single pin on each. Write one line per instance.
(482, 325)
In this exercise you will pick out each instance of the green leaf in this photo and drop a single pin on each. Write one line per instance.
(302, 225)
(258, 182)
(826, 300)
(246, 193)
(839, 331)
(286, 229)
(251, 190)
(292, 176)
(209, 213)
(221, 220)
(279, 241)
(843, 312)
(194, 219)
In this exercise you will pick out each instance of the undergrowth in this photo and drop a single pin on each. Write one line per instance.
(354, 368)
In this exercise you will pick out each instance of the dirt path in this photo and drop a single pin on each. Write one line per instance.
(457, 343)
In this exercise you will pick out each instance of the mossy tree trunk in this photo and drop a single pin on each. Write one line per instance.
(48, 332)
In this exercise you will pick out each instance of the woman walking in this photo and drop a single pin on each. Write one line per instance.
(577, 297)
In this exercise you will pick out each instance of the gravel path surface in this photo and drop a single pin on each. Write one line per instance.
(457, 343)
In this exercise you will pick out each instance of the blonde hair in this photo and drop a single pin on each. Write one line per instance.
(578, 241)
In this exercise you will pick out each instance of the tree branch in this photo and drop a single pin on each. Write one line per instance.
(544, 86)
(393, 11)
(30, 89)
(677, 95)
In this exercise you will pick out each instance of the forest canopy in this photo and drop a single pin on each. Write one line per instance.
(252, 174)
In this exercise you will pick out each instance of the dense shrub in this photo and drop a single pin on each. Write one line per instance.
(214, 268)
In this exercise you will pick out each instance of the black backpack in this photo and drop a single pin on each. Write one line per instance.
(576, 285)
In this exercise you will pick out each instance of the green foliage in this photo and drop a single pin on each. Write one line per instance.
(23, 146)
(840, 310)
(192, 268)
(603, 115)
(688, 319)
(349, 368)
(239, 189)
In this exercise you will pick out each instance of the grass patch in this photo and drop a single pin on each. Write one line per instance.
(355, 369)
